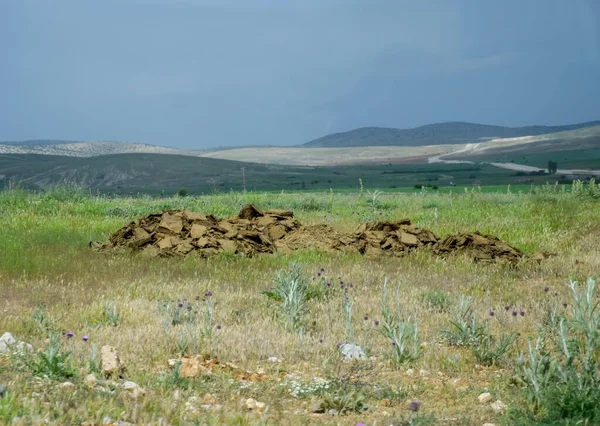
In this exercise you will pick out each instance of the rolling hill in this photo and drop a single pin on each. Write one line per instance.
(434, 134)
(86, 149)
(154, 173)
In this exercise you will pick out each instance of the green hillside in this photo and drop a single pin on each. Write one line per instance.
(154, 173)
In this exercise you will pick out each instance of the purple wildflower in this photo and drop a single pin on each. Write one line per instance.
(208, 294)
(414, 406)
(366, 318)
(198, 297)
(546, 289)
(564, 305)
(522, 313)
(180, 305)
(514, 313)
(218, 326)
(492, 313)
(86, 338)
(70, 334)
(376, 322)
(507, 307)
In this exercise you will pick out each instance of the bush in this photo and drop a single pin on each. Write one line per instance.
(53, 362)
(293, 291)
(560, 373)
(403, 333)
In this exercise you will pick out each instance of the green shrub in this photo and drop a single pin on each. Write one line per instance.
(560, 373)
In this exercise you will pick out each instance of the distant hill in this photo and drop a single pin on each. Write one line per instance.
(37, 142)
(86, 149)
(434, 134)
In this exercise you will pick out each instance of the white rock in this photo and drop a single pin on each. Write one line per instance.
(410, 372)
(90, 381)
(260, 406)
(423, 373)
(10, 345)
(274, 359)
(499, 407)
(485, 397)
(352, 352)
(250, 403)
(67, 385)
(133, 389)
(192, 404)
(489, 424)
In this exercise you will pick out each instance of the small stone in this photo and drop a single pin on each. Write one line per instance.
(250, 403)
(67, 385)
(410, 372)
(423, 373)
(209, 399)
(499, 407)
(176, 394)
(133, 390)
(317, 407)
(107, 421)
(111, 364)
(352, 352)
(90, 381)
(489, 424)
(274, 359)
(129, 385)
(484, 398)
(3, 391)
(191, 405)
(333, 412)
(261, 407)
(10, 345)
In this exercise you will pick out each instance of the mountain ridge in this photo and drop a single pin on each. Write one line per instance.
(452, 132)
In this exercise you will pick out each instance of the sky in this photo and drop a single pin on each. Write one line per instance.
(212, 73)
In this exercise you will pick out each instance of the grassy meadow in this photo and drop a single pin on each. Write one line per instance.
(449, 329)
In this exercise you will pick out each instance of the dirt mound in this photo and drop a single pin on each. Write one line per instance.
(181, 232)
(482, 248)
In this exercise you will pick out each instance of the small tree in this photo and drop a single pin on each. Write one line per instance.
(552, 167)
(182, 192)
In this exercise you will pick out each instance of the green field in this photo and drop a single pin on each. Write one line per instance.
(52, 283)
(167, 174)
(566, 159)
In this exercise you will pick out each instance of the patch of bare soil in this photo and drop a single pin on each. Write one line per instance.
(252, 231)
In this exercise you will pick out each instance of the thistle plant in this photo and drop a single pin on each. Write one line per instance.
(293, 291)
(561, 374)
(465, 329)
(402, 331)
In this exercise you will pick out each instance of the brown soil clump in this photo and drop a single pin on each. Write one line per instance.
(182, 232)
(482, 248)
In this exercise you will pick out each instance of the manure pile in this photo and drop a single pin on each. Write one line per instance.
(182, 232)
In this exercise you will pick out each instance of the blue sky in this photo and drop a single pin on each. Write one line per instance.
(205, 73)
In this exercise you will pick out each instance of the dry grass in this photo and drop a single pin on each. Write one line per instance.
(46, 263)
